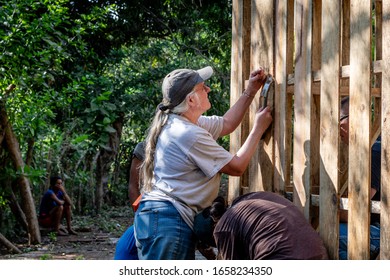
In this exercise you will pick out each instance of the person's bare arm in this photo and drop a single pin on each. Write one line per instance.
(233, 117)
(67, 199)
(240, 161)
(57, 200)
(134, 190)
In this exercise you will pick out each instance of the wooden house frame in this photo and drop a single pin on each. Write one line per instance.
(318, 52)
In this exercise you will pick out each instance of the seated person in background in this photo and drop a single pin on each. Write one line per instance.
(55, 205)
(265, 226)
(125, 248)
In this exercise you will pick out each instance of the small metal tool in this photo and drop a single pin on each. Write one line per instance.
(265, 90)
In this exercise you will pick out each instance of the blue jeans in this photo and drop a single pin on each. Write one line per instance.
(125, 248)
(343, 241)
(161, 233)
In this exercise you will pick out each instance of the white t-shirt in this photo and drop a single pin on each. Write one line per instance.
(187, 164)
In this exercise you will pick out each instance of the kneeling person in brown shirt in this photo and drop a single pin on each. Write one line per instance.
(266, 226)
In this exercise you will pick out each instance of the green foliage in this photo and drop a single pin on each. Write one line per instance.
(109, 220)
(52, 236)
(8, 224)
(80, 67)
(46, 257)
(41, 46)
(3, 201)
(26, 171)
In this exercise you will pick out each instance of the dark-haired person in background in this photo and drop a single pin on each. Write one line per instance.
(55, 205)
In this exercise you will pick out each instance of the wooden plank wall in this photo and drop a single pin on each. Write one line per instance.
(385, 175)
(315, 109)
(329, 125)
(318, 52)
(249, 42)
(302, 105)
(360, 124)
(284, 46)
(240, 70)
(262, 48)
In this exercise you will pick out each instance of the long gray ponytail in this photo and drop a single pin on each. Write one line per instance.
(159, 121)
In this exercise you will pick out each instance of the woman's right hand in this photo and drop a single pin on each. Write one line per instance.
(263, 120)
(239, 163)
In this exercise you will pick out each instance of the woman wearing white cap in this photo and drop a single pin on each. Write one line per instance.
(183, 162)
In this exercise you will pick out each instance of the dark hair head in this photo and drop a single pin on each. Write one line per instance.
(205, 222)
(53, 180)
(218, 208)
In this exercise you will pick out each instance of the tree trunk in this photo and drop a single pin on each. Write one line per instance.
(1, 136)
(9, 245)
(30, 151)
(104, 161)
(100, 176)
(24, 185)
(48, 171)
(17, 210)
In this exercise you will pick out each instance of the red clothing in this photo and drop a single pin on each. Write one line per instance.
(265, 225)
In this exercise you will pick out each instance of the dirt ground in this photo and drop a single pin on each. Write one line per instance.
(96, 239)
(85, 246)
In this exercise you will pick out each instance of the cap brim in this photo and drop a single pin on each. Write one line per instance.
(205, 73)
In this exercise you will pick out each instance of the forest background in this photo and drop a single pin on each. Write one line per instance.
(79, 84)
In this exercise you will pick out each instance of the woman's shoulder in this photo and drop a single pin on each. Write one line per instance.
(203, 120)
(178, 124)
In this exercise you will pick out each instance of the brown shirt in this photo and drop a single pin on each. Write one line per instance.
(266, 226)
